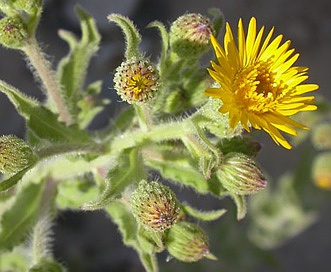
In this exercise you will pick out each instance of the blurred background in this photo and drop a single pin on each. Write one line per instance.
(88, 242)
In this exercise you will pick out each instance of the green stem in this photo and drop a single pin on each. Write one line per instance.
(48, 78)
(163, 132)
(41, 236)
(144, 116)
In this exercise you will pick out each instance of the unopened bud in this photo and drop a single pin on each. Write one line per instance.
(13, 32)
(321, 136)
(322, 170)
(15, 155)
(136, 80)
(187, 242)
(239, 174)
(190, 35)
(154, 206)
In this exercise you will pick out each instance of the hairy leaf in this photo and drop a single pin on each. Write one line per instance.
(72, 68)
(128, 170)
(17, 221)
(6, 184)
(131, 33)
(23, 104)
(204, 215)
(127, 225)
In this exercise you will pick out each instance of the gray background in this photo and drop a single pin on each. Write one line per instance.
(306, 23)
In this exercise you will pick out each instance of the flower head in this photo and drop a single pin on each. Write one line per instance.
(259, 86)
(154, 206)
(136, 80)
(188, 242)
(15, 154)
(190, 35)
(240, 174)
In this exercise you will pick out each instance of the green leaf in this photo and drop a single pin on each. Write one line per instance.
(218, 20)
(18, 220)
(131, 33)
(72, 68)
(204, 215)
(89, 106)
(128, 227)
(241, 204)
(15, 260)
(150, 241)
(71, 194)
(45, 125)
(165, 42)
(46, 265)
(129, 169)
(23, 104)
(6, 184)
(179, 168)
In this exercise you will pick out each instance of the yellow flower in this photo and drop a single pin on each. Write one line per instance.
(259, 87)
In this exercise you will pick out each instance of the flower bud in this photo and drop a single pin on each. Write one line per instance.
(321, 170)
(321, 136)
(187, 242)
(136, 80)
(190, 35)
(154, 206)
(15, 155)
(13, 32)
(239, 174)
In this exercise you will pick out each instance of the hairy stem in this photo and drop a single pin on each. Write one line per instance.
(47, 77)
(41, 236)
(163, 132)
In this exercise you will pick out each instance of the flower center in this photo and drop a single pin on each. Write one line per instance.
(138, 83)
(256, 89)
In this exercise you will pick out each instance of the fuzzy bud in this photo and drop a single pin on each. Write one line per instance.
(136, 80)
(190, 35)
(322, 170)
(154, 206)
(187, 242)
(15, 155)
(13, 32)
(321, 136)
(239, 174)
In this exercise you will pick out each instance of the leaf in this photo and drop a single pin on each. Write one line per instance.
(125, 221)
(241, 204)
(218, 20)
(15, 260)
(128, 227)
(23, 104)
(179, 168)
(89, 106)
(72, 68)
(45, 125)
(6, 184)
(131, 33)
(71, 194)
(165, 42)
(129, 169)
(18, 220)
(46, 265)
(204, 215)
